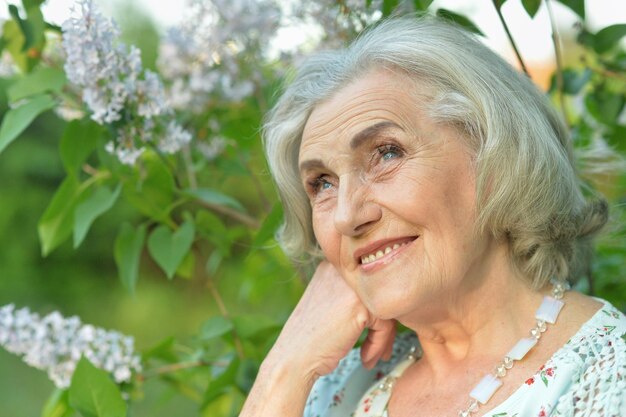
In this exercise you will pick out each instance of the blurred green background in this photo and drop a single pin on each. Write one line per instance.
(84, 282)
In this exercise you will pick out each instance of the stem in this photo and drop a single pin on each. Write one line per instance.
(603, 71)
(174, 367)
(224, 312)
(264, 200)
(191, 175)
(241, 217)
(556, 41)
(508, 34)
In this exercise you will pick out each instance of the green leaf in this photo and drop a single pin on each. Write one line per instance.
(213, 229)
(389, 6)
(32, 3)
(56, 223)
(246, 374)
(165, 350)
(33, 27)
(79, 140)
(531, 6)
(151, 190)
(100, 201)
(12, 34)
(248, 326)
(608, 37)
(422, 5)
(269, 226)
(221, 383)
(41, 80)
(169, 249)
(604, 106)
(18, 119)
(58, 405)
(574, 81)
(213, 263)
(616, 138)
(460, 20)
(94, 394)
(577, 6)
(214, 197)
(215, 327)
(127, 253)
(499, 3)
(187, 267)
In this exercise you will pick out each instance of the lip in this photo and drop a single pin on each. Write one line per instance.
(379, 245)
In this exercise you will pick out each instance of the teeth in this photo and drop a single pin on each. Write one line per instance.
(366, 259)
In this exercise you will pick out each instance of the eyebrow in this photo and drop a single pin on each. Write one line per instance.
(311, 164)
(357, 141)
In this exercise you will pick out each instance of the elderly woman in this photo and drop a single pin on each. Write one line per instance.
(434, 186)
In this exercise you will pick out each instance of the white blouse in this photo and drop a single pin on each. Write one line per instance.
(586, 377)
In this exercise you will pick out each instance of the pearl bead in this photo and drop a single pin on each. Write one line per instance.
(541, 325)
(508, 362)
(473, 407)
(534, 332)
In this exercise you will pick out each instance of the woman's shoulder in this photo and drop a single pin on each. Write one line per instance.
(596, 354)
(338, 393)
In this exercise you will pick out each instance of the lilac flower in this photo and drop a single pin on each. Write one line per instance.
(201, 60)
(116, 88)
(55, 344)
(213, 148)
(175, 138)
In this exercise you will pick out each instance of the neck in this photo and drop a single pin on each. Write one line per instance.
(492, 308)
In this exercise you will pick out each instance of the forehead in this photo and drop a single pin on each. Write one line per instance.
(378, 96)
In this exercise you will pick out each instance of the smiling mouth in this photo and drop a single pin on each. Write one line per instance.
(384, 251)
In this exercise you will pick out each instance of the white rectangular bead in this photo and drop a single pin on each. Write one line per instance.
(485, 388)
(521, 348)
(549, 309)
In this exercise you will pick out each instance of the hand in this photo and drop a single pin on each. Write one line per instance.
(327, 322)
(324, 326)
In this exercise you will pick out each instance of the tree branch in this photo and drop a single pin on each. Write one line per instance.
(508, 34)
(556, 41)
(224, 312)
(241, 217)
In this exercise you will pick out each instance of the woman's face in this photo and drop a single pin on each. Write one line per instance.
(392, 195)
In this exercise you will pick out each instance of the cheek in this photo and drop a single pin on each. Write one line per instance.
(326, 235)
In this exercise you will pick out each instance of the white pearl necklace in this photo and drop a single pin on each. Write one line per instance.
(547, 312)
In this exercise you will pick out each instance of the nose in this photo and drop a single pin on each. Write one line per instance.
(355, 212)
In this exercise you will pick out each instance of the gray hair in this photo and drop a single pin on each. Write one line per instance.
(528, 191)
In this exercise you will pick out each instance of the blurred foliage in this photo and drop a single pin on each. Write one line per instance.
(202, 284)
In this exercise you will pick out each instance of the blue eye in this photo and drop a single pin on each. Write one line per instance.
(324, 185)
(319, 184)
(388, 152)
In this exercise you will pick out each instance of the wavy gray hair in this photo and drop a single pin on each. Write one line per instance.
(527, 188)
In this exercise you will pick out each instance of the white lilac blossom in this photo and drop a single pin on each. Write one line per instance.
(55, 344)
(213, 148)
(201, 59)
(116, 88)
(340, 21)
(175, 137)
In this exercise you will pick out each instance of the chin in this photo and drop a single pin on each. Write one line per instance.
(383, 309)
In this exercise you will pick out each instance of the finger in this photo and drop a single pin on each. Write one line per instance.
(377, 342)
(389, 350)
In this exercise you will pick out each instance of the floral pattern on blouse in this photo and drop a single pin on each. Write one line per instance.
(593, 360)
